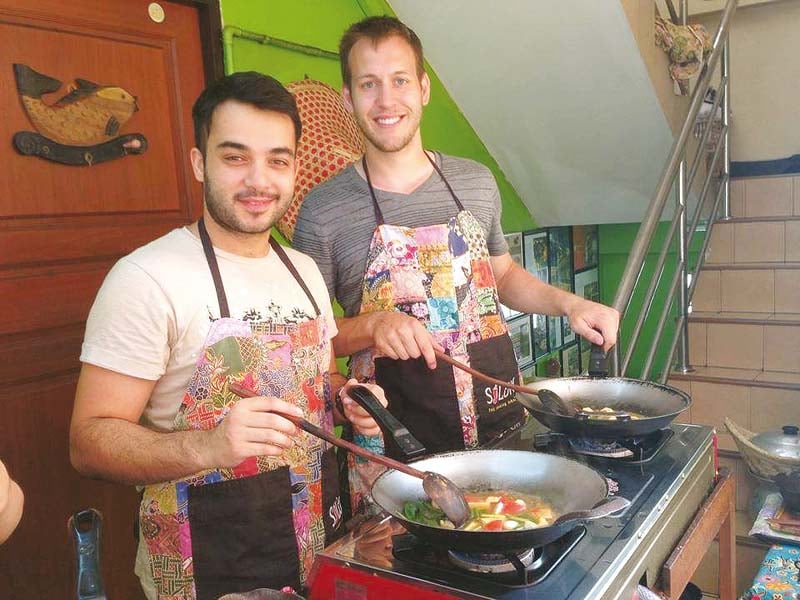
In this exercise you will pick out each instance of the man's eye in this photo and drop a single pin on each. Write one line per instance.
(367, 85)
(401, 81)
(279, 162)
(234, 158)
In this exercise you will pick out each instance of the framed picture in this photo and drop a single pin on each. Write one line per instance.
(571, 360)
(554, 332)
(585, 353)
(540, 340)
(515, 249)
(587, 284)
(520, 331)
(528, 373)
(535, 254)
(568, 336)
(585, 248)
(549, 367)
(560, 257)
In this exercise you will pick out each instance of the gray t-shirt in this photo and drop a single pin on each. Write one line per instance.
(337, 219)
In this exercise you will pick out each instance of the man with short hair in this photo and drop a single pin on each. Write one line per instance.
(235, 497)
(409, 241)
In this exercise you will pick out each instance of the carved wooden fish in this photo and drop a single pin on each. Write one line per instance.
(87, 115)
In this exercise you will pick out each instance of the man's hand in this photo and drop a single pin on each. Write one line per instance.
(595, 322)
(400, 336)
(251, 428)
(362, 422)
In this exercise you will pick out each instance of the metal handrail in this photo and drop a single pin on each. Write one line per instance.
(674, 175)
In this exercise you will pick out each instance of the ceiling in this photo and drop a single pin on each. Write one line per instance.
(560, 96)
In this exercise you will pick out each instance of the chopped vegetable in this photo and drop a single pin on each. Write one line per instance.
(496, 512)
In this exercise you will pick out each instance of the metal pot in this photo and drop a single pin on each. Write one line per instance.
(567, 485)
(784, 443)
(658, 404)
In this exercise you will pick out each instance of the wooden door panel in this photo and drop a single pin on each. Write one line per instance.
(31, 246)
(61, 228)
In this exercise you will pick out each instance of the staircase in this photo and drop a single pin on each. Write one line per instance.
(744, 335)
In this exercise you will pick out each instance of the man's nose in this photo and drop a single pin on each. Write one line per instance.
(386, 95)
(258, 176)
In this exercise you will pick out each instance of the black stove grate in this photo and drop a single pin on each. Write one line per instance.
(436, 562)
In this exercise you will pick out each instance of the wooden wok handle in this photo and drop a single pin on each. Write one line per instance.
(489, 379)
(328, 436)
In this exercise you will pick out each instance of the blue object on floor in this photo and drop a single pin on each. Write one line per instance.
(777, 578)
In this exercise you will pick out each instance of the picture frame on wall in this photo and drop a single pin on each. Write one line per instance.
(567, 335)
(587, 284)
(528, 374)
(585, 246)
(585, 354)
(570, 360)
(519, 330)
(535, 254)
(540, 338)
(560, 257)
(554, 332)
(549, 367)
(514, 241)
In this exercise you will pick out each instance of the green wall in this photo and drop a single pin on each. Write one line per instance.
(320, 23)
(616, 241)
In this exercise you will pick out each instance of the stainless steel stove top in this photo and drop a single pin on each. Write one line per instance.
(603, 561)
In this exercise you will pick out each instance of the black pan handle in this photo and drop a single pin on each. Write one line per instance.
(393, 430)
(613, 505)
(598, 362)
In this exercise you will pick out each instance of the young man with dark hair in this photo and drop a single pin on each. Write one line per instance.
(234, 496)
(410, 243)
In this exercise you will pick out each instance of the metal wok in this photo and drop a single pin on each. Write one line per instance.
(564, 483)
(659, 404)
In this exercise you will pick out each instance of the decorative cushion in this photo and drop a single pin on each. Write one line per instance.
(777, 579)
(331, 140)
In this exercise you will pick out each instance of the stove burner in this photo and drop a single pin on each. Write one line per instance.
(497, 563)
(637, 449)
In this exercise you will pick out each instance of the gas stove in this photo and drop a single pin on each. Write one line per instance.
(602, 560)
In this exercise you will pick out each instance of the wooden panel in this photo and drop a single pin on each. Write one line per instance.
(34, 441)
(61, 229)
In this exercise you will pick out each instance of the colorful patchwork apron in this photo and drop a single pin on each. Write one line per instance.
(258, 524)
(442, 276)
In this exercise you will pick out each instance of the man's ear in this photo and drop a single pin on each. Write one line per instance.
(348, 100)
(196, 158)
(425, 84)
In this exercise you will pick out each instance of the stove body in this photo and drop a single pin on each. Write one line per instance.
(604, 560)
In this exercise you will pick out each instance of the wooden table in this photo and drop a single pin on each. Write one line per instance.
(715, 517)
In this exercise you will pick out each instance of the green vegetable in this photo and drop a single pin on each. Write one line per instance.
(422, 511)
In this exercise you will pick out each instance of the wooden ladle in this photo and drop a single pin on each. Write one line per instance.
(446, 494)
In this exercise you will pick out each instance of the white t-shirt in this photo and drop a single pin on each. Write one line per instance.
(154, 310)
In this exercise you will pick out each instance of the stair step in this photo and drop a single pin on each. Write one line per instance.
(755, 239)
(765, 196)
(744, 343)
(748, 287)
(746, 318)
(746, 377)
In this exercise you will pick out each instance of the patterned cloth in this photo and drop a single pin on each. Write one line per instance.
(331, 140)
(287, 361)
(686, 46)
(779, 576)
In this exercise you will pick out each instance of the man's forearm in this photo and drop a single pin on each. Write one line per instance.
(355, 333)
(521, 291)
(126, 452)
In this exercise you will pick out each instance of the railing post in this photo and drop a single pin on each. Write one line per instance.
(726, 149)
(683, 249)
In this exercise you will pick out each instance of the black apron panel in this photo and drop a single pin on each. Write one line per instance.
(497, 409)
(332, 509)
(243, 535)
(423, 400)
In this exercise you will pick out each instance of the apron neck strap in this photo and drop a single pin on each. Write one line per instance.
(377, 208)
(213, 266)
(211, 259)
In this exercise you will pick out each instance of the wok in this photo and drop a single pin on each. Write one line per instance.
(567, 485)
(658, 404)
